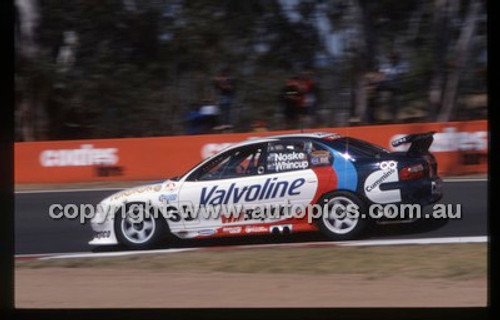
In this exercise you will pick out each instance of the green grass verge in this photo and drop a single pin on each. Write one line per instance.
(456, 261)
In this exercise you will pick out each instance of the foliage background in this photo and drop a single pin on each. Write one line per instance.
(131, 68)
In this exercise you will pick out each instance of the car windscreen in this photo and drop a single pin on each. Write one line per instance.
(356, 148)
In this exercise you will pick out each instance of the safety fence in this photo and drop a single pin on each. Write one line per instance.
(460, 148)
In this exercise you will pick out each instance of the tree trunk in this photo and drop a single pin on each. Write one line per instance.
(462, 51)
(27, 14)
(440, 26)
(366, 54)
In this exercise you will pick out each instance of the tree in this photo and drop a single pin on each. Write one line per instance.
(131, 68)
(463, 47)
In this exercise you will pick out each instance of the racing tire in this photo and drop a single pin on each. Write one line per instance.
(342, 226)
(146, 234)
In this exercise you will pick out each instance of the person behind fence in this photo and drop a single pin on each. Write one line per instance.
(291, 99)
(193, 119)
(225, 85)
(371, 81)
(309, 98)
(209, 115)
(259, 126)
(392, 75)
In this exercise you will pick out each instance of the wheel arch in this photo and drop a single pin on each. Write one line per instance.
(362, 197)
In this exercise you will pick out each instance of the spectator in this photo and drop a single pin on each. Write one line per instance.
(223, 128)
(209, 115)
(193, 119)
(371, 81)
(309, 98)
(291, 99)
(259, 126)
(392, 76)
(225, 85)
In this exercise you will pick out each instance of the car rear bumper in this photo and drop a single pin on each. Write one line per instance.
(421, 191)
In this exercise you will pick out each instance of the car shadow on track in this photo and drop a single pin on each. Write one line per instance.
(378, 232)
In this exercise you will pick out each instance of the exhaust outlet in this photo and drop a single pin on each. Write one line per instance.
(281, 229)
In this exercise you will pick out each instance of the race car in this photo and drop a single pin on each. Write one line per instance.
(327, 169)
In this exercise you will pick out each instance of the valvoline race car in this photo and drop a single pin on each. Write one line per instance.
(302, 169)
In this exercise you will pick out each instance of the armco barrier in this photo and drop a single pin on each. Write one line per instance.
(460, 148)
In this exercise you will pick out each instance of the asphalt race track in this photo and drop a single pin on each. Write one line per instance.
(37, 233)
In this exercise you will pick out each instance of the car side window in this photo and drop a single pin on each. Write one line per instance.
(288, 155)
(242, 162)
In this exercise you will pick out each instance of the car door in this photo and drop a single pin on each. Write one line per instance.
(231, 178)
(289, 162)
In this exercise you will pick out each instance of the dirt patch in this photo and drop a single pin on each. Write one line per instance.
(397, 276)
(132, 288)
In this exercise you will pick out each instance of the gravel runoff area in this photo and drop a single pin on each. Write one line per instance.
(399, 276)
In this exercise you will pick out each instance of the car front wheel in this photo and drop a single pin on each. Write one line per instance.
(142, 233)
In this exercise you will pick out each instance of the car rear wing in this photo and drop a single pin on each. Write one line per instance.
(420, 143)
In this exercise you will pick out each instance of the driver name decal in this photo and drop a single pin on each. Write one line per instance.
(286, 161)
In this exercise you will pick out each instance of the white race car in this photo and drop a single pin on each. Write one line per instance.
(297, 169)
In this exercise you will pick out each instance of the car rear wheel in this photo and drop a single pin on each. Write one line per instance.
(139, 233)
(342, 220)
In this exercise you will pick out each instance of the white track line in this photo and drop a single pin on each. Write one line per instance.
(361, 243)
(68, 190)
(112, 189)
(451, 240)
(365, 243)
(42, 256)
(465, 180)
(117, 254)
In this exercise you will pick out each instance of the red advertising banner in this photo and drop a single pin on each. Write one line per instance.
(460, 148)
